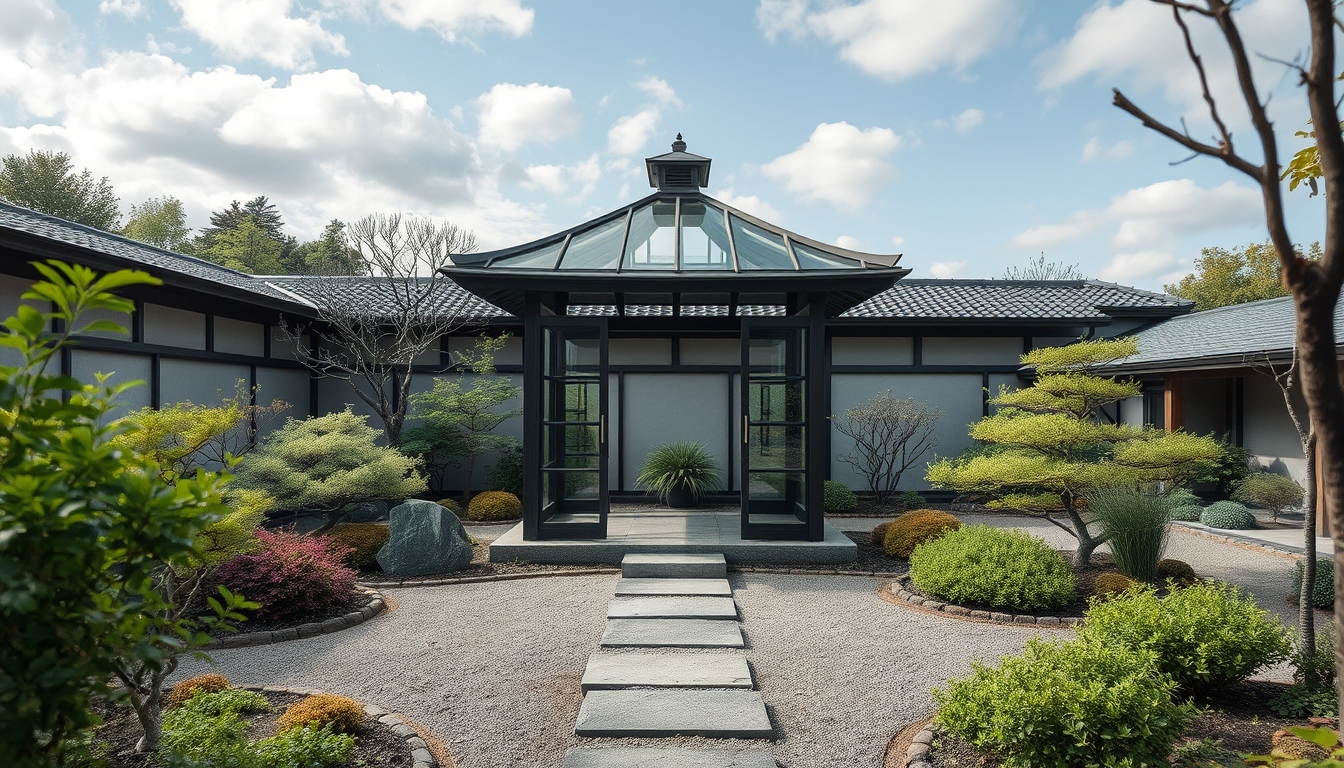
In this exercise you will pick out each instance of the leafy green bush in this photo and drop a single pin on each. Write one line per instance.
(910, 500)
(1230, 467)
(1228, 515)
(1136, 527)
(1205, 636)
(208, 683)
(1064, 705)
(1187, 513)
(1323, 590)
(363, 540)
(1183, 498)
(980, 565)
(1303, 701)
(687, 466)
(207, 732)
(1268, 490)
(837, 497)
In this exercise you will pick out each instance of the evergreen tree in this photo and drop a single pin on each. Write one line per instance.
(47, 182)
(159, 221)
(246, 248)
(329, 254)
(265, 217)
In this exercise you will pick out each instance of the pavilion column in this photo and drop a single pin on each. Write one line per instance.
(1173, 411)
(818, 425)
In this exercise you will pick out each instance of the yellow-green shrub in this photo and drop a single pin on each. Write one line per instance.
(914, 528)
(342, 714)
(879, 534)
(193, 685)
(451, 505)
(983, 566)
(1111, 583)
(494, 505)
(364, 541)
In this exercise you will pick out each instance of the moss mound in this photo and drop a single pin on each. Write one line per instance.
(494, 505)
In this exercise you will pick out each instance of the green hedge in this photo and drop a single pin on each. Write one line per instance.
(837, 497)
(980, 565)
(1228, 515)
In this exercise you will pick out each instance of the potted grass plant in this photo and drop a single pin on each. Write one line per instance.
(679, 473)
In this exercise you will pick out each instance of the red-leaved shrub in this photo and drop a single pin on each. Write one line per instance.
(291, 575)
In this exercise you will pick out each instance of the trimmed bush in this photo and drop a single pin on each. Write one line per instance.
(184, 690)
(992, 567)
(293, 576)
(363, 540)
(837, 497)
(1183, 498)
(1110, 584)
(1205, 636)
(1176, 570)
(1323, 591)
(1136, 527)
(342, 714)
(1065, 705)
(1228, 515)
(451, 505)
(1187, 513)
(1268, 490)
(914, 528)
(494, 505)
(879, 534)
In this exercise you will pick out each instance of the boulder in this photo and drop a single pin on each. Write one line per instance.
(366, 512)
(425, 539)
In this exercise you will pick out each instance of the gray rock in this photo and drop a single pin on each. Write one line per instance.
(366, 512)
(425, 538)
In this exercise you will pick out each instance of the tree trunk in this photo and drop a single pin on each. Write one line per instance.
(1087, 543)
(466, 490)
(1306, 609)
(151, 720)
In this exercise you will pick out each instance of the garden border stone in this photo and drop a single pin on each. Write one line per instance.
(607, 571)
(899, 590)
(1245, 542)
(401, 725)
(311, 629)
(921, 744)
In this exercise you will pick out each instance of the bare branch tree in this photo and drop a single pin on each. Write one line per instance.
(373, 329)
(890, 435)
(1314, 285)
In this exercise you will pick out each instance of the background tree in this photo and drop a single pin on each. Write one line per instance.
(329, 254)
(372, 344)
(1049, 449)
(262, 213)
(159, 221)
(890, 436)
(246, 248)
(47, 182)
(455, 418)
(1223, 277)
(1040, 269)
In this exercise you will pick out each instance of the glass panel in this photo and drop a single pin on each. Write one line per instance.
(811, 258)
(704, 238)
(776, 401)
(777, 352)
(577, 356)
(570, 446)
(758, 249)
(776, 447)
(598, 248)
(581, 485)
(542, 258)
(779, 487)
(582, 402)
(652, 240)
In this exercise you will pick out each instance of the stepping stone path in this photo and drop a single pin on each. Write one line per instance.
(641, 682)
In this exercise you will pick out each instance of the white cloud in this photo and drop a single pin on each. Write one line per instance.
(896, 39)
(748, 204)
(128, 8)
(845, 241)
(513, 115)
(659, 90)
(947, 269)
(259, 29)
(630, 133)
(1094, 149)
(839, 163)
(559, 179)
(1130, 268)
(897, 240)
(451, 19)
(964, 122)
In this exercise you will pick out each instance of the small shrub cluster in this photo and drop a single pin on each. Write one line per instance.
(980, 565)
(207, 732)
(184, 690)
(494, 505)
(506, 474)
(1110, 584)
(1187, 513)
(1302, 701)
(1178, 571)
(914, 528)
(324, 709)
(291, 575)
(1182, 497)
(1268, 490)
(909, 500)
(1323, 588)
(837, 497)
(451, 505)
(363, 540)
(879, 533)
(1228, 515)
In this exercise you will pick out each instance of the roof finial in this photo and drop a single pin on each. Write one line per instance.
(678, 145)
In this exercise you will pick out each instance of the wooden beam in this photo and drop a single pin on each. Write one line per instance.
(1173, 410)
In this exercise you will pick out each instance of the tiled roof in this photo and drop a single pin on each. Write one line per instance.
(1062, 300)
(376, 292)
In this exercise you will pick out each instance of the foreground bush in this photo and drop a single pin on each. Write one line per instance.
(1228, 515)
(342, 714)
(1323, 589)
(1205, 636)
(980, 565)
(363, 540)
(207, 732)
(1176, 570)
(291, 575)
(914, 528)
(1135, 525)
(837, 497)
(494, 505)
(1066, 705)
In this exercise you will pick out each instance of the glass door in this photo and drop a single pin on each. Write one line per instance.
(573, 482)
(774, 428)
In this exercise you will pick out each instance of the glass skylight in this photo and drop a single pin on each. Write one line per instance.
(652, 240)
(704, 237)
(759, 249)
(598, 248)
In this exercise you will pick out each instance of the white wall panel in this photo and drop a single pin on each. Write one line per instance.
(711, 352)
(969, 350)
(670, 407)
(85, 363)
(639, 351)
(287, 385)
(872, 350)
(174, 327)
(1268, 433)
(200, 381)
(239, 337)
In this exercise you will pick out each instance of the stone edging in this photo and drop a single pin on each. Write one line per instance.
(806, 572)
(400, 725)
(484, 579)
(311, 629)
(917, 754)
(1246, 542)
(898, 589)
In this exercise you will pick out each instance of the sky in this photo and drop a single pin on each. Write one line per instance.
(969, 135)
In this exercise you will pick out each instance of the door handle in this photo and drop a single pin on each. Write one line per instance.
(604, 429)
(745, 438)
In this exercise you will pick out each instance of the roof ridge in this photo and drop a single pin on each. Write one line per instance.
(1160, 294)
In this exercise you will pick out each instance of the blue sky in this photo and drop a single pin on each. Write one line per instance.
(968, 135)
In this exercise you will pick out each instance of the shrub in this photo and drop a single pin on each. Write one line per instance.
(1065, 705)
(1228, 515)
(451, 505)
(236, 701)
(910, 500)
(1183, 498)
(342, 714)
(1230, 466)
(914, 528)
(207, 733)
(1323, 590)
(1136, 527)
(494, 505)
(986, 566)
(1178, 571)
(1268, 490)
(679, 466)
(1302, 701)
(308, 747)
(1110, 584)
(1187, 513)
(1205, 636)
(292, 575)
(837, 497)
(879, 533)
(506, 474)
(193, 685)
(363, 540)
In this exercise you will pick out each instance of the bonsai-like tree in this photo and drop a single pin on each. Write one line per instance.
(327, 463)
(890, 436)
(1048, 448)
(1268, 490)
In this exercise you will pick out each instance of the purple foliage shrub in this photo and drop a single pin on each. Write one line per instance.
(291, 575)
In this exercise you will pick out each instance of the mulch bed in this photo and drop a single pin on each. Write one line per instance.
(376, 745)
(355, 603)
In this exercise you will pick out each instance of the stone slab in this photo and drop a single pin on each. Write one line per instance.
(650, 757)
(642, 586)
(672, 633)
(674, 566)
(672, 608)
(610, 670)
(734, 714)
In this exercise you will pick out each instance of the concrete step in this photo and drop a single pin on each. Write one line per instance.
(672, 633)
(735, 714)
(609, 670)
(672, 608)
(674, 566)
(649, 757)
(643, 586)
